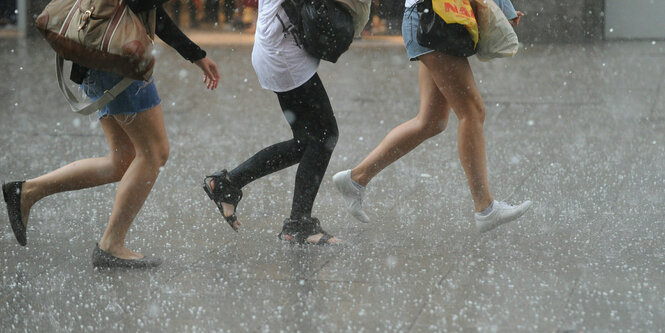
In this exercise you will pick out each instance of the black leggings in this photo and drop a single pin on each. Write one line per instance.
(308, 111)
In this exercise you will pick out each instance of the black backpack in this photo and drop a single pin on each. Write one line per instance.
(435, 33)
(322, 27)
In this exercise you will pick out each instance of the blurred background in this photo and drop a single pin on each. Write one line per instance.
(546, 21)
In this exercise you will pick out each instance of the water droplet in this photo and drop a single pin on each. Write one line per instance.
(290, 116)
(391, 261)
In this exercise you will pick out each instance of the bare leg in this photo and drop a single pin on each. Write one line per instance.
(148, 136)
(430, 121)
(454, 78)
(83, 173)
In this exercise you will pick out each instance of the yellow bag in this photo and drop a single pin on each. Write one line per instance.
(460, 12)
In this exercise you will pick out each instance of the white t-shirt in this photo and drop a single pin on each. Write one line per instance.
(279, 63)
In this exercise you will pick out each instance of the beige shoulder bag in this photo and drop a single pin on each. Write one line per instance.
(99, 34)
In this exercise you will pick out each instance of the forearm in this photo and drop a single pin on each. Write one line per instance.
(138, 6)
(169, 32)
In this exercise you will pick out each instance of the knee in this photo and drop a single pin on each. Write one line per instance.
(157, 155)
(474, 112)
(330, 140)
(162, 155)
(430, 128)
(324, 139)
(120, 162)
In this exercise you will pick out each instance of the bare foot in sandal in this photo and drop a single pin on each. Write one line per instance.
(307, 230)
(225, 195)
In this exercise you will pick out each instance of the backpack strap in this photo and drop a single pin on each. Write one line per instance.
(82, 107)
(291, 29)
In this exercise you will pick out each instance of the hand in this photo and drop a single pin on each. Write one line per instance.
(210, 73)
(516, 21)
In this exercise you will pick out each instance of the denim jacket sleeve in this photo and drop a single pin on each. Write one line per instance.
(507, 8)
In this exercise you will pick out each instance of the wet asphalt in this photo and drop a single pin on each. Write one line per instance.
(579, 129)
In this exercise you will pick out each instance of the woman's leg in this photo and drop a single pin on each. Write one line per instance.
(315, 127)
(454, 78)
(148, 136)
(308, 111)
(83, 173)
(430, 121)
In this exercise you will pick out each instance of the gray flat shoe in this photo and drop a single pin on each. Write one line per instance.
(101, 258)
(12, 194)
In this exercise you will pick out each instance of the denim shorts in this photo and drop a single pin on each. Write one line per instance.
(410, 32)
(139, 96)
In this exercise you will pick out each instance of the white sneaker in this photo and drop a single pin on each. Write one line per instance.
(352, 195)
(501, 213)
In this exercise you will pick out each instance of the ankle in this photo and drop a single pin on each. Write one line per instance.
(487, 210)
(360, 177)
(110, 246)
(483, 205)
(28, 194)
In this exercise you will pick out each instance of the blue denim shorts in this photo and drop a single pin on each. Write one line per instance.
(410, 32)
(139, 96)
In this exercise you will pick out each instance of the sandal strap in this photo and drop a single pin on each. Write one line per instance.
(302, 228)
(324, 239)
(231, 218)
(224, 190)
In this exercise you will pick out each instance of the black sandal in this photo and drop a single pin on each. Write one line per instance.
(224, 192)
(300, 230)
(12, 194)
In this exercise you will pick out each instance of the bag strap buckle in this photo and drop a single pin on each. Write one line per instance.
(86, 17)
